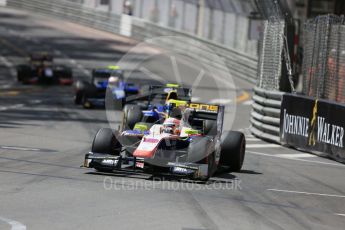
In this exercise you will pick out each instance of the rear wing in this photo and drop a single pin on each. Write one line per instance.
(203, 112)
(206, 111)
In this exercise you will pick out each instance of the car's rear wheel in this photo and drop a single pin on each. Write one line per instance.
(78, 97)
(233, 147)
(83, 90)
(85, 101)
(63, 72)
(23, 73)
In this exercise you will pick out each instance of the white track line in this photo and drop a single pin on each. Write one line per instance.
(9, 65)
(306, 193)
(221, 101)
(249, 146)
(297, 155)
(15, 225)
(6, 62)
(339, 214)
(36, 101)
(249, 102)
(18, 148)
(11, 107)
(252, 139)
(295, 159)
(195, 99)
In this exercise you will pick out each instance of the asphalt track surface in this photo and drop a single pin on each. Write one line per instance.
(44, 136)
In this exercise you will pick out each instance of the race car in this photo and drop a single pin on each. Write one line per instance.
(41, 70)
(92, 93)
(190, 143)
(152, 106)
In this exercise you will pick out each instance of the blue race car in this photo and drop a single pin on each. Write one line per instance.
(92, 93)
(151, 107)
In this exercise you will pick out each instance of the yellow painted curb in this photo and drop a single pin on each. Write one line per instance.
(243, 97)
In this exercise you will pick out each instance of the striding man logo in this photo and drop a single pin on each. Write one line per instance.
(312, 133)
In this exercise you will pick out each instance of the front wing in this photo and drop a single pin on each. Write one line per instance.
(125, 163)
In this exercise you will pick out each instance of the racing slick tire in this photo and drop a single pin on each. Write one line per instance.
(23, 73)
(80, 88)
(62, 72)
(78, 97)
(233, 147)
(88, 92)
(105, 142)
(85, 102)
(83, 90)
(131, 115)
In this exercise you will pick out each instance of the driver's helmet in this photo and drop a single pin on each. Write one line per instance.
(171, 126)
(113, 81)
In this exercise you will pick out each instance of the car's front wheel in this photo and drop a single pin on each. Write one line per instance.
(105, 142)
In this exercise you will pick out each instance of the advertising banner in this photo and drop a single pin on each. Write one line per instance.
(313, 125)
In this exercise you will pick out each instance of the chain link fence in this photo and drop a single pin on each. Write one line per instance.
(270, 9)
(271, 45)
(324, 58)
(270, 61)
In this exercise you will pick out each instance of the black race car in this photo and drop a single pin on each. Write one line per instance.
(41, 70)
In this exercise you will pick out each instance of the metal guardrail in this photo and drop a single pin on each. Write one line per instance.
(239, 64)
(265, 116)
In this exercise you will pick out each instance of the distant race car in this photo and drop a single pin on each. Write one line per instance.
(41, 70)
(189, 143)
(92, 93)
(152, 105)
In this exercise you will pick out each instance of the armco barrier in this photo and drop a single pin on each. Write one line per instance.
(265, 115)
(239, 64)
